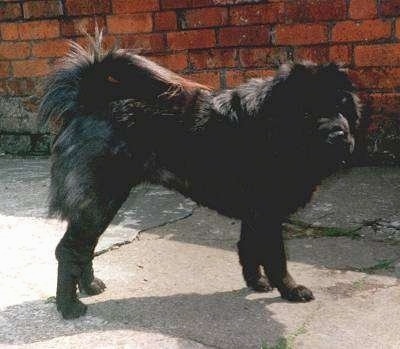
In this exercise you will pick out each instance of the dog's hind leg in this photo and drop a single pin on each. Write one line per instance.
(92, 174)
(75, 253)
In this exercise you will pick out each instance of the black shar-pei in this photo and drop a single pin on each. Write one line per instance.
(255, 152)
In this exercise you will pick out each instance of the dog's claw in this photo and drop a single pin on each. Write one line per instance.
(298, 294)
(261, 285)
(97, 286)
(72, 309)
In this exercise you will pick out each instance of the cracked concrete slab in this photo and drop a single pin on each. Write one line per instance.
(24, 189)
(179, 284)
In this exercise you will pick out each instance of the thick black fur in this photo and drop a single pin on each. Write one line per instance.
(255, 152)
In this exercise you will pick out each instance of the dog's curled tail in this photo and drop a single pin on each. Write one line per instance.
(86, 80)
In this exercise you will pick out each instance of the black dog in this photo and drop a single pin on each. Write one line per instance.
(255, 152)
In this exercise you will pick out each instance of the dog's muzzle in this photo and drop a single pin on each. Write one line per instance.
(337, 134)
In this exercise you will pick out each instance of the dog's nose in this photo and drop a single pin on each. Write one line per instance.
(336, 136)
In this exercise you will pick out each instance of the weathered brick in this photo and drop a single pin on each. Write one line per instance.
(256, 14)
(165, 20)
(367, 30)
(377, 55)
(214, 58)
(363, 9)
(210, 79)
(133, 6)
(9, 31)
(206, 17)
(42, 9)
(14, 50)
(376, 78)
(340, 54)
(317, 54)
(170, 4)
(244, 36)
(201, 38)
(390, 8)
(9, 11)
(4, 69)
(30, 68)
(261, 57)
(50, 48)
(153, 42)
(301, 34)
(46, 29)
(134, 23)
(20, 87)
(385, 103)
(176, 61)
(78, 26)
(237, 77)
(87, 7)
(315, 10)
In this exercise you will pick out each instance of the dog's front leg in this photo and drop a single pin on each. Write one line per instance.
(269, 249)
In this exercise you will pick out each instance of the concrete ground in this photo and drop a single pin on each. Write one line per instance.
(178, 283)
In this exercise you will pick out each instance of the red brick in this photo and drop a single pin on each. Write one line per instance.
(398, 28)
(169, 4)
(214, 58)
(39, 29)
(390, 8)
(50, 48)
(244, 36)
(376, 78)
(237, 77)
(87, 7)
(133, 6)
(191, 39)
(386, 103)
(206, 17)
(109, 41)
(176, 61)
(9, 11)
(317, 54)
(165, 20)
(30, 68)
(9, 31)
(14, 50)
(144, 42)
(78, 26)
(42, 9)
(134, 23)
(210, 79)
(362, 9)
(340, 54)
(377, 55)
(315, 10)
(261, 57)
(367, 30)
(4, 69)
(256, 14)
(301, 34)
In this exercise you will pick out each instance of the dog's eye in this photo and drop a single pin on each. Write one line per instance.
(113, 80)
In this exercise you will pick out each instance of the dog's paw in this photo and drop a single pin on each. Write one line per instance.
(260, 285)
(71, 309)
(96, 286)
(298, 293)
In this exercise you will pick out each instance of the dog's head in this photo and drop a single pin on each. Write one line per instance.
(328, 106)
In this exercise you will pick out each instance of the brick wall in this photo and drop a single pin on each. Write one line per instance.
(217, 42)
